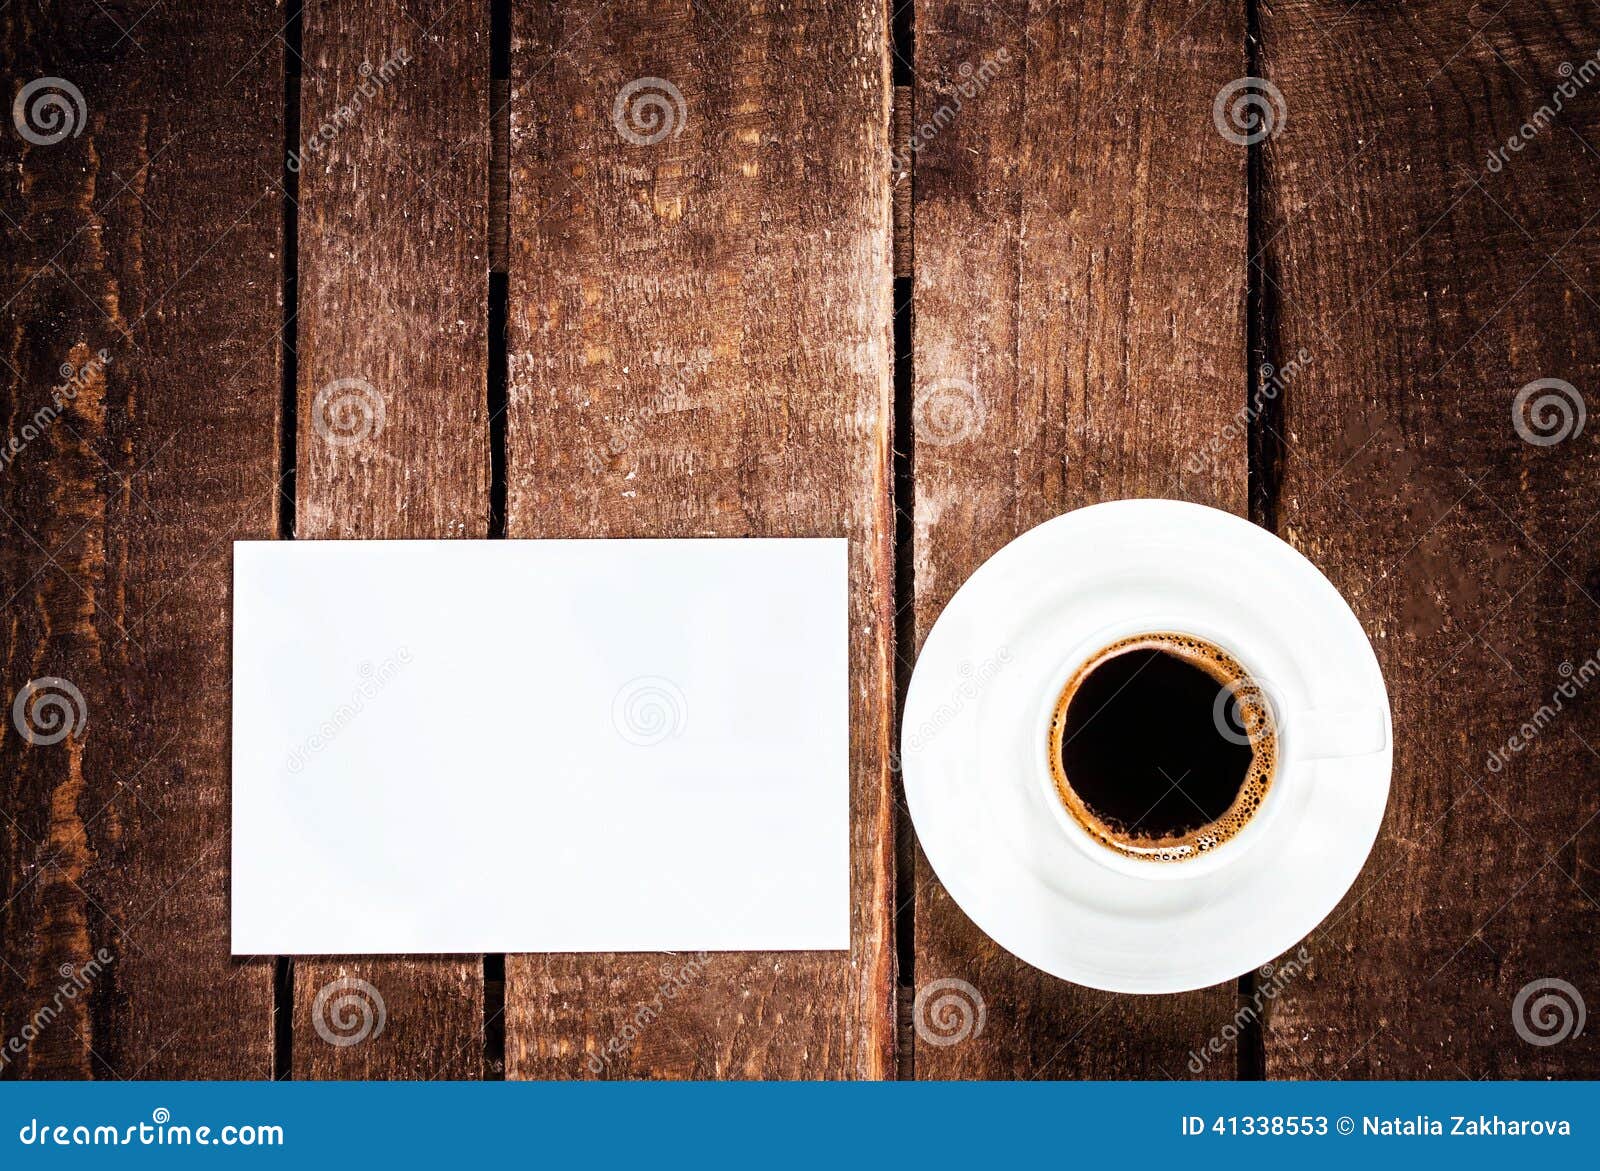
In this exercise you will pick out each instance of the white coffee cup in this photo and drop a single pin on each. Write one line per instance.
(1304, 734)
(975, 743)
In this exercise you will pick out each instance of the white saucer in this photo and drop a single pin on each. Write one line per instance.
(972, 747)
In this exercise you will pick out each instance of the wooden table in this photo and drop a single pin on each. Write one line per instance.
(766, 313)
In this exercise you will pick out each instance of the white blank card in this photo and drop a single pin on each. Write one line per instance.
(527, 746)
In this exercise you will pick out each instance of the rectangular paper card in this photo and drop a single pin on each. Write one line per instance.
(526, 746)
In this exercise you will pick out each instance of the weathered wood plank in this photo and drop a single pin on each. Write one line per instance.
(1429, 281)
(393, 427)
(149, 231)
(699, 346)
(900, 178)
(1079, 328)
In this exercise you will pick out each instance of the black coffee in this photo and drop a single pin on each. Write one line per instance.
(1161, 746)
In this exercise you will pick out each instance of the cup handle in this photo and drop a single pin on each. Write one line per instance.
(1333, 733)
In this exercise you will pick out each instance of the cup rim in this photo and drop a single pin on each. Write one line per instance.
(1208, 862)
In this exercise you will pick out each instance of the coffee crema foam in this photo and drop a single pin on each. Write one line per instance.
(1248, 708)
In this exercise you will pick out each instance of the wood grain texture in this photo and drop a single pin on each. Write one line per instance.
(149, 233)
(393, 427)
(1079, 331)
(1429, 285)
(900, 180)
(699, 334)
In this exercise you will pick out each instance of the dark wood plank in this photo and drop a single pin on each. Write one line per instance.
(151, 232)
(1429, 286)
(700, 346)
(394, 261)
(1079, 297)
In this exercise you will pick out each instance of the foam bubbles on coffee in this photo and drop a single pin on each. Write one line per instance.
(1140, 758)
